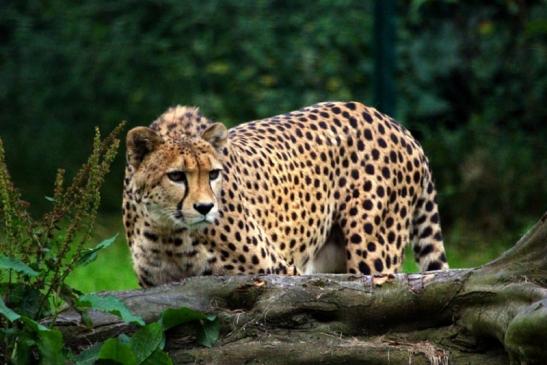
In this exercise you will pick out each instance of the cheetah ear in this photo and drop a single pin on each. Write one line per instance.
(140, 142)
(216, 134)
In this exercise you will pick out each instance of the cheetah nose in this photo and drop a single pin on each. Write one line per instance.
(203, 208)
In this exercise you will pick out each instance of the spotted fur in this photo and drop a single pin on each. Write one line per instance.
(333, 182)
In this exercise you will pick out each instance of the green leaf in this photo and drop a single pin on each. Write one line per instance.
(8, 313)
(49, 198)
(174, 317)
(9, 263)
(113, 349)
(90, 254)
(110, 305)
(50, 345)
(146, 340)
(25, 299)
(49, 341)
(210, 327)
(210, 332)
(22, 354)
(158, 357)
(89, 356)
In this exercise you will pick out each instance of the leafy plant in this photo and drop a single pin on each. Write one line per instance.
(39, 254)
(146, 345)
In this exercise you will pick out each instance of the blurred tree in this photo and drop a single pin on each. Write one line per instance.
(384, 56)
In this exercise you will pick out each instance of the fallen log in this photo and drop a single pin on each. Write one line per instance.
(494, 314)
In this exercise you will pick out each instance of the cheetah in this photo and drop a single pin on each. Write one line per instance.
(270, 196)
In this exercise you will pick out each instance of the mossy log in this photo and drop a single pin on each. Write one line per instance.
(494, 314)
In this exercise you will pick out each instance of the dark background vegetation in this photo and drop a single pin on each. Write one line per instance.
(471, 81)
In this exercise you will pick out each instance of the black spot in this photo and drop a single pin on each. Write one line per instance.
(381, 129)
(151, 236)
(364, 268)
(416, 177)
(350, 106)
(255, 260)
(382, 143)
(378, 265)
(367, 204)
(426, 250)
(393, 156)
(371, 246)
(355, 238)
(367, 117)
(368, 228)
(380, 191)
(435, 265)
(385, 173)
(426, 232)
(369, 169)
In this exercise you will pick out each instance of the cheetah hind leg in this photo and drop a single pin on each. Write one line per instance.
(331, 258)
(427, 239)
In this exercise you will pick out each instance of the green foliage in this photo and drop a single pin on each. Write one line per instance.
(118, 351)
(473, 80)
(146, 345)
(90, 254)
(8, 263)
(8, 313)
(38, 254)
(209, 329)
(108, 304)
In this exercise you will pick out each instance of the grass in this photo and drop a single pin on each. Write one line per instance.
(112, 270)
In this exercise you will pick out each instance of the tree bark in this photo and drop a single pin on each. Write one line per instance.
(494, 314)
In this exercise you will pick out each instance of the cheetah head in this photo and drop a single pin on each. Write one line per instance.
(177, 181)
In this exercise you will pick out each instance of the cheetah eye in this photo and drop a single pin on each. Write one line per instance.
(177, 176)
(214, 174)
